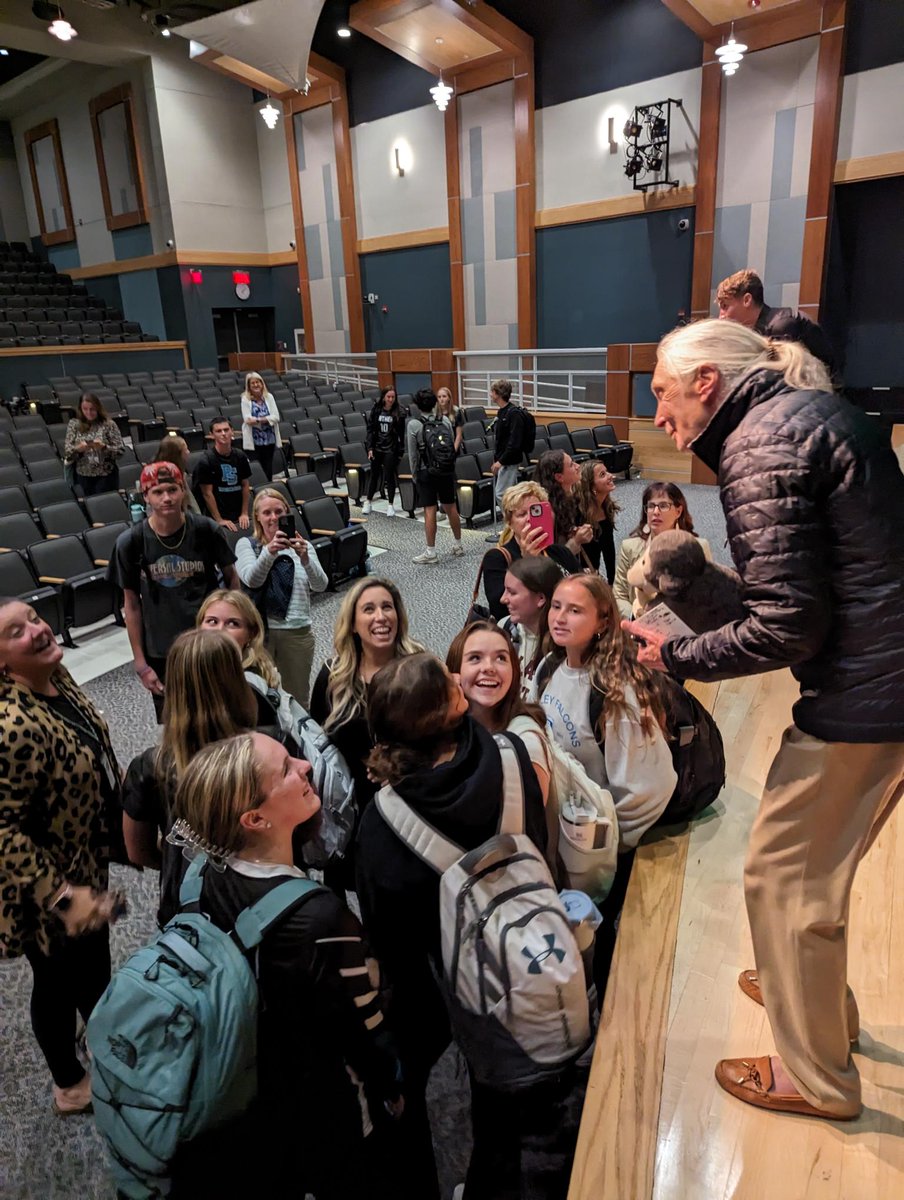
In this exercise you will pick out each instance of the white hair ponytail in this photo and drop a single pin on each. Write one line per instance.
(734, 350)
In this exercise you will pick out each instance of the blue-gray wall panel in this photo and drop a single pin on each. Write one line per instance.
(621, 280)
(141, 301)
(415, 284)
(134, 242)
(37, 368)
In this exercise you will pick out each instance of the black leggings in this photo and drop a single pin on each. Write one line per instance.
(264, 455)
(68, 980)
(385, 463)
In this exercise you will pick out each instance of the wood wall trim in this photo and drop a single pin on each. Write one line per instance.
(348, 219)
(707, 179)
(525, 202)
(453, 192)
(472, 79)
(119, 95)
(615, 206)
(823, 155)
(184, 258)
(872, 166)
(304, 286)
(50, 129)
(101, 348)
(402, 241)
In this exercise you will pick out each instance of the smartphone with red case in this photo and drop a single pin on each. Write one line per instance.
(540, 517)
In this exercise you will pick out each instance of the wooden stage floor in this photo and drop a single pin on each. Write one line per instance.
(710, 1146)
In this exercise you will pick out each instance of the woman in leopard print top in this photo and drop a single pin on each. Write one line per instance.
(59, 783)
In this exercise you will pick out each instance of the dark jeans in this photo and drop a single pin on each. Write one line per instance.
(524, 1142)
(264, 455)
(95, 485)
(69, 980)
(385, 463)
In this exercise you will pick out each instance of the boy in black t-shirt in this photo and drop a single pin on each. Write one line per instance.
(223, 479)
(165, 566)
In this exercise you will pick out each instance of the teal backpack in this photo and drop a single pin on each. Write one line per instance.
(174, 1037)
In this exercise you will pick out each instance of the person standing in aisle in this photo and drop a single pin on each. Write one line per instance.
(812, 494)
(260, 422)
(385, 441)
(223, 477)
(431, 455)
(509, 435)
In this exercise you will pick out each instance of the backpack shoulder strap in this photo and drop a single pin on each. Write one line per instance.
(512, 817)
(419, 836)
(253, 923)
(192, 881)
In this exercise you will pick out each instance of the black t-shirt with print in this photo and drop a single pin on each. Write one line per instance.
(387, 438)
(225, 474)
(172, 576)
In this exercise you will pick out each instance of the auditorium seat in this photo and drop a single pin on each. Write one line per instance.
(17, 579)
(86, 595)
(61, 519)
(101, 542)
(106, 509)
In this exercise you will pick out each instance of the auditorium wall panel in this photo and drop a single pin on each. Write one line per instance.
(872, 114)
(209, 144)
(622, 280)
(13, 221)
(386, 202)
(415, 286)
(279, 223)
(575, 161)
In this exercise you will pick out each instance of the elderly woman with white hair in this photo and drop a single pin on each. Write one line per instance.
(812, 495)
(260, 422)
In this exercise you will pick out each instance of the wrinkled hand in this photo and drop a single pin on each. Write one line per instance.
(370, 454)
(496, 468)
(649, 652)
(534, 543)
(243, 521)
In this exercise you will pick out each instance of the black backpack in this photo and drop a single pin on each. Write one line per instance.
(438, 446)
(530, 431)
(698, 755)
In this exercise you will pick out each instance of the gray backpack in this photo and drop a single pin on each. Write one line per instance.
(513, 975)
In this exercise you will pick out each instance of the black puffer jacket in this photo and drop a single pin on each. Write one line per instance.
(813, 498)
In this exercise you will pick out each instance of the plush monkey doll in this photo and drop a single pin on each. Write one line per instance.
(705, 596)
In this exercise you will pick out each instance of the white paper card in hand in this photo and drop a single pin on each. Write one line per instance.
(660, 619)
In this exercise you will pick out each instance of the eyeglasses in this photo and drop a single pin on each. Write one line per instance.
(659, 506)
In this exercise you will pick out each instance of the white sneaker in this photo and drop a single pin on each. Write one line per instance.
(390, 511)
(365, 508)
(458, 550)
(429, 556)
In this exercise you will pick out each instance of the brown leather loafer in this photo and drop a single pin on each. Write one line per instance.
(749, 1079)
(749, 983)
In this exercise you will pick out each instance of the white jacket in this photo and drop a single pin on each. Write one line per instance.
(274, 418)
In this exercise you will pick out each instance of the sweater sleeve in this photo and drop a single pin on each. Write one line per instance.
(620, 588)
(411, 432)
(253, 568)
(639, 772)
(318, 580)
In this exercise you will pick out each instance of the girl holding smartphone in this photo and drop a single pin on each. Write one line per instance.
(281, 570)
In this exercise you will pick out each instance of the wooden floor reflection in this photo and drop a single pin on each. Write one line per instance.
(655, 1122)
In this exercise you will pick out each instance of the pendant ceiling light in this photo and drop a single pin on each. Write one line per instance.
(270, 114)
(60, 28)
(731, 53)
(442, 94)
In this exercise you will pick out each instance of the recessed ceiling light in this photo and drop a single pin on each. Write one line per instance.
(344, 31)
(439, 41)
(3, 52)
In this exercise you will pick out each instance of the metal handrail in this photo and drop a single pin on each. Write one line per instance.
(359, 369)
(571, 388)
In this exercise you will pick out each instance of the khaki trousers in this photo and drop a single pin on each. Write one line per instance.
(823, 805)
(293, 652)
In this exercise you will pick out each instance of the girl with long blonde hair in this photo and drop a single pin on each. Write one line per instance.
(206, 700)
(448, 410)
(233, 613)
(603, 707)
(371, 630)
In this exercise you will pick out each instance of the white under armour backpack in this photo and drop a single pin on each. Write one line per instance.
(513, 974)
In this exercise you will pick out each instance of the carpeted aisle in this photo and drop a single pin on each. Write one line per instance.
(43, 1157)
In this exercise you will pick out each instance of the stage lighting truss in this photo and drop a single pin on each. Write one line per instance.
(647, 144)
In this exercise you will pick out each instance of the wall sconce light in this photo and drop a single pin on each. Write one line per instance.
(613, 137)
(196, 275)
(400, 170)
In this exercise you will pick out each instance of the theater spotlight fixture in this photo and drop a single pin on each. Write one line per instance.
(442, 94)
(731, 53)
(647, 148)
(270, 114)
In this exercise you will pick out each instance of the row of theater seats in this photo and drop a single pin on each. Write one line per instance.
(40, 307)
(55, 546)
